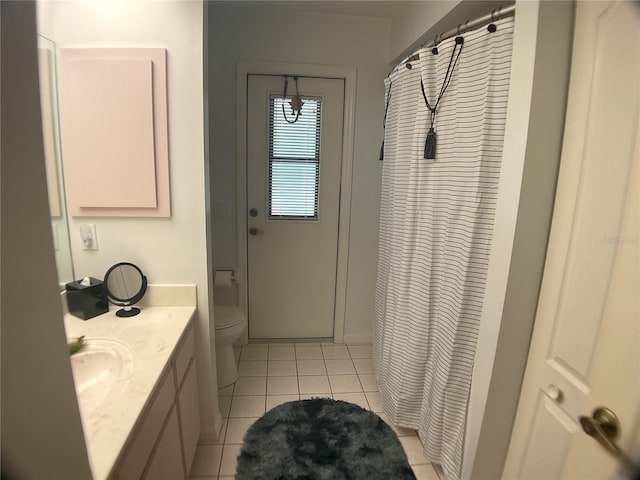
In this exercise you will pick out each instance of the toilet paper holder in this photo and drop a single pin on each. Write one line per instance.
(223, 278)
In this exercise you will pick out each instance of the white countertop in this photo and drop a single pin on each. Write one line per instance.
(151, 337)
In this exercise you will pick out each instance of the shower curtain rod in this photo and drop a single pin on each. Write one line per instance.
(495, 15)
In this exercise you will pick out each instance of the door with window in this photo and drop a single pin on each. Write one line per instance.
(293, 198)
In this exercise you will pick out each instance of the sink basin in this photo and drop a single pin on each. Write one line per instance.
(101, 369)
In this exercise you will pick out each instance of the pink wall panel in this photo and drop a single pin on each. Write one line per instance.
(114, 131)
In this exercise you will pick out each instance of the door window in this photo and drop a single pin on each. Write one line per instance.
(294, 160)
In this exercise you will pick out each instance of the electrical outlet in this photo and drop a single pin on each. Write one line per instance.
(88, 236)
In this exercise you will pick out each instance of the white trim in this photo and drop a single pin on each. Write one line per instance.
(366, 339)
(514, 149)
(349, 74)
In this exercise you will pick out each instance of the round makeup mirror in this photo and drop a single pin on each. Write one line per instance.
(126, 285)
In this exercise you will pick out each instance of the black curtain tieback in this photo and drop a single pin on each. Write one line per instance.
(430, 143)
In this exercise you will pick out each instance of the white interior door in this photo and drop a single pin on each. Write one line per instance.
(293, 195)
(585, 349)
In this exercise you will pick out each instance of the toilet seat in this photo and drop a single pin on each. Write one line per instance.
(229, 323)
(226, 316)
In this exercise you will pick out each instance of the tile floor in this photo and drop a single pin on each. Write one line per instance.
(271, 374)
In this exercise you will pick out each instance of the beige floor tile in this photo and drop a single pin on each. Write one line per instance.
(251, 386)
(282, 353)
(360, 351)
(413, 449)
(237, 428)
(252, 368)
(307, 344)
(357, 398)
(400, 431)
(309, 396)
(282, 385)
(369, 382)
(340, 367)
(308, 352)
(224, 403)
(333, 352)
(275, 400)
(311, 367)
(363, 365)
(425, 472)
(345, 384)
(247, 406)
(281, 344)
(314, 384)
(229, 459)
(375, 401)
(281, 368)
(254, 352)
(207, 460)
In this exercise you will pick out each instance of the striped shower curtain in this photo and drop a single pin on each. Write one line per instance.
(435, 233)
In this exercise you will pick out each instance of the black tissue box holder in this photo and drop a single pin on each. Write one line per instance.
(87, 301)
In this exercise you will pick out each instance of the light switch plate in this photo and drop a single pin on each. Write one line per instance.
(88, 236)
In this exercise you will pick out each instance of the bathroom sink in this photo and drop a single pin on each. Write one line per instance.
(101, 369)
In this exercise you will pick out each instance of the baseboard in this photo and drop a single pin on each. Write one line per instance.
(366, 339)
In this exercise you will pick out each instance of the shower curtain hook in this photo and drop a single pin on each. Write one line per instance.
(434, 50)
(491, 27)
(459, 29)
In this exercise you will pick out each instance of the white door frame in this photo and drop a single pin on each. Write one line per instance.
(349, 75)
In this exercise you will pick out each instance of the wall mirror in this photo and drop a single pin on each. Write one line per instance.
(126, 285)
(53, 159)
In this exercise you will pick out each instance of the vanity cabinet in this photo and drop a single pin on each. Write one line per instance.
(164, 442)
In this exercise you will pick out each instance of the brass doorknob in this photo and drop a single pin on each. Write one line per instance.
(604, 427)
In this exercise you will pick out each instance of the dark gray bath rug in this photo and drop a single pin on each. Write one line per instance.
(321, 438)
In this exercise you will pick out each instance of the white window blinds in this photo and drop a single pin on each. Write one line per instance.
(294, 160)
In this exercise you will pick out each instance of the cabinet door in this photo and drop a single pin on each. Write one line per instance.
(166, 462)
(145, 436)
(189, 415)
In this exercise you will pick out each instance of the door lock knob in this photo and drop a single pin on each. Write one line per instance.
(255, 231)
(253, 212)
(554, 393)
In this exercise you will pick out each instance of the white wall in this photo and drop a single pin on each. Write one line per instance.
(171, 250)
(41, 429)
(420, 22)
(263, 33)
(408, 29)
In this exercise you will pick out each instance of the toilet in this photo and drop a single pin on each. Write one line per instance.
(229, 322)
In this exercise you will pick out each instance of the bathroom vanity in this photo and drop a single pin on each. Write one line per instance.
(137, 391)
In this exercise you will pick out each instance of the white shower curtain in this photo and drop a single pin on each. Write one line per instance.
(435, 231)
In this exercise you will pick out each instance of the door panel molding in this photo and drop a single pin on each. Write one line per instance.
(349, 75)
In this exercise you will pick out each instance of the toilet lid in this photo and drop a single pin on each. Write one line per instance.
(225, 316)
